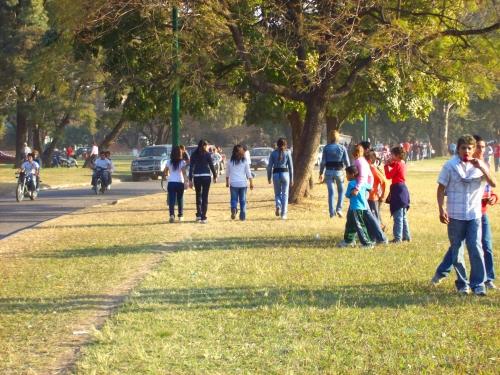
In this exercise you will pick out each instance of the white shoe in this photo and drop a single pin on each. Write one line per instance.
(343, 244)
(172, 219)
(204, 221)
(284, 217)
(180, 218)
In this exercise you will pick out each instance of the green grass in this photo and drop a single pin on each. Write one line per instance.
(264, 296)
(57, 177)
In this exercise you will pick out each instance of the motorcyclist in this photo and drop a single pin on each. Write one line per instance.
(103, 166)
(32, 168)
(112, 169)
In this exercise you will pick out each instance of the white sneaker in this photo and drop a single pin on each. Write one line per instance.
(284, 217)
(204, 221)
(172, 219)
(180, 218)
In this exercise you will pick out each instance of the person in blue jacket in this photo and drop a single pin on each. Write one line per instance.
(280, 172)
(334, 160)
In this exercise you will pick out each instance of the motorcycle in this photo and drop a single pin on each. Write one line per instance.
(100, 185)
(60, 160)
(26, 186)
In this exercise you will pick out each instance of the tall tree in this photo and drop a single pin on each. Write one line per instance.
(24, 24)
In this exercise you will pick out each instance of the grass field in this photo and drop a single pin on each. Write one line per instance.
(56, 177)
(264, 296)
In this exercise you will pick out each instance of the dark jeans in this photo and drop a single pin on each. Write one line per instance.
(202, 186)
(104, 176)
(175, 194)
(373, 227)
(355, 224)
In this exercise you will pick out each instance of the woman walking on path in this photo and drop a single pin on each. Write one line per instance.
(201, 170)
(237, 174)
(280, 171)
(176, 170)
(334, 159)
(395, 170)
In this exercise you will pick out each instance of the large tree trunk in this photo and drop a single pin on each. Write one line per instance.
(306, 153)
(37, 138)
(332, 123)
(113, 134)
(442, 123)
(56, 137)
(21, 130)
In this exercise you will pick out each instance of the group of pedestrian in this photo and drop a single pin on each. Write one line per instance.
(466, 182)
(366, 190)
(417, 150)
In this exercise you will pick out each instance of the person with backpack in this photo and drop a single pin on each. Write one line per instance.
(333, 161)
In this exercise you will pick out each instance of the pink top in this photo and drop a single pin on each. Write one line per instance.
(364, 172)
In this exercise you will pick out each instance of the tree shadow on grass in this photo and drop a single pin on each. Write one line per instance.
(385, 295)
(224, 244)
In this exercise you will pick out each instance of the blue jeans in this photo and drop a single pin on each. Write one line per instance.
(469, 231)
(337, 177)
(487, 244)
(401, 229)
(446, 265)
(373, 227)
(175, 194)
(239, 194)
(281, 182)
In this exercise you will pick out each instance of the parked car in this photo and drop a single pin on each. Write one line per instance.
(150, 162)
(259, 157)
(319, 154)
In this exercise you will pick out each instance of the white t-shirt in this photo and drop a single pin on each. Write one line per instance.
(238, 173)
(26, 150)
(103, 163)
(95, 150)
(176, 175)
(30, 168)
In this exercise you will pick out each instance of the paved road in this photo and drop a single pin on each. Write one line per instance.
(53, 203)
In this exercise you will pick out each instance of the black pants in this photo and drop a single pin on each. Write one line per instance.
(175, 194)
(202, 186)
(355, 225)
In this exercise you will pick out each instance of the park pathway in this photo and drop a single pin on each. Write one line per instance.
(50, 204)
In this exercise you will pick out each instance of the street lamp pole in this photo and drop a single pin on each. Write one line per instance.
(176, 101)
(365, 129)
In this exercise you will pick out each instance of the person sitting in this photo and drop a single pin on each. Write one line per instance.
(31, 168)
(102, 167)
(112, 169)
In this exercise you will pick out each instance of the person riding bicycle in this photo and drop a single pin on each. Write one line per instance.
(102, 167)
(30, 167)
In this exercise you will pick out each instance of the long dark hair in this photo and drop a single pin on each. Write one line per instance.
(282, 147)
(201, 144)
(175, 157)
(238, 154)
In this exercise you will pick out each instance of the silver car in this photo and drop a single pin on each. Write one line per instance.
(151, 162)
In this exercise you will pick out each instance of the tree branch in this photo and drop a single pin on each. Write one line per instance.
(458, 33)
(260, 84)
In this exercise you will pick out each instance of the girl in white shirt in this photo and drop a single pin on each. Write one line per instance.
(237, 174)
(176, 172)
